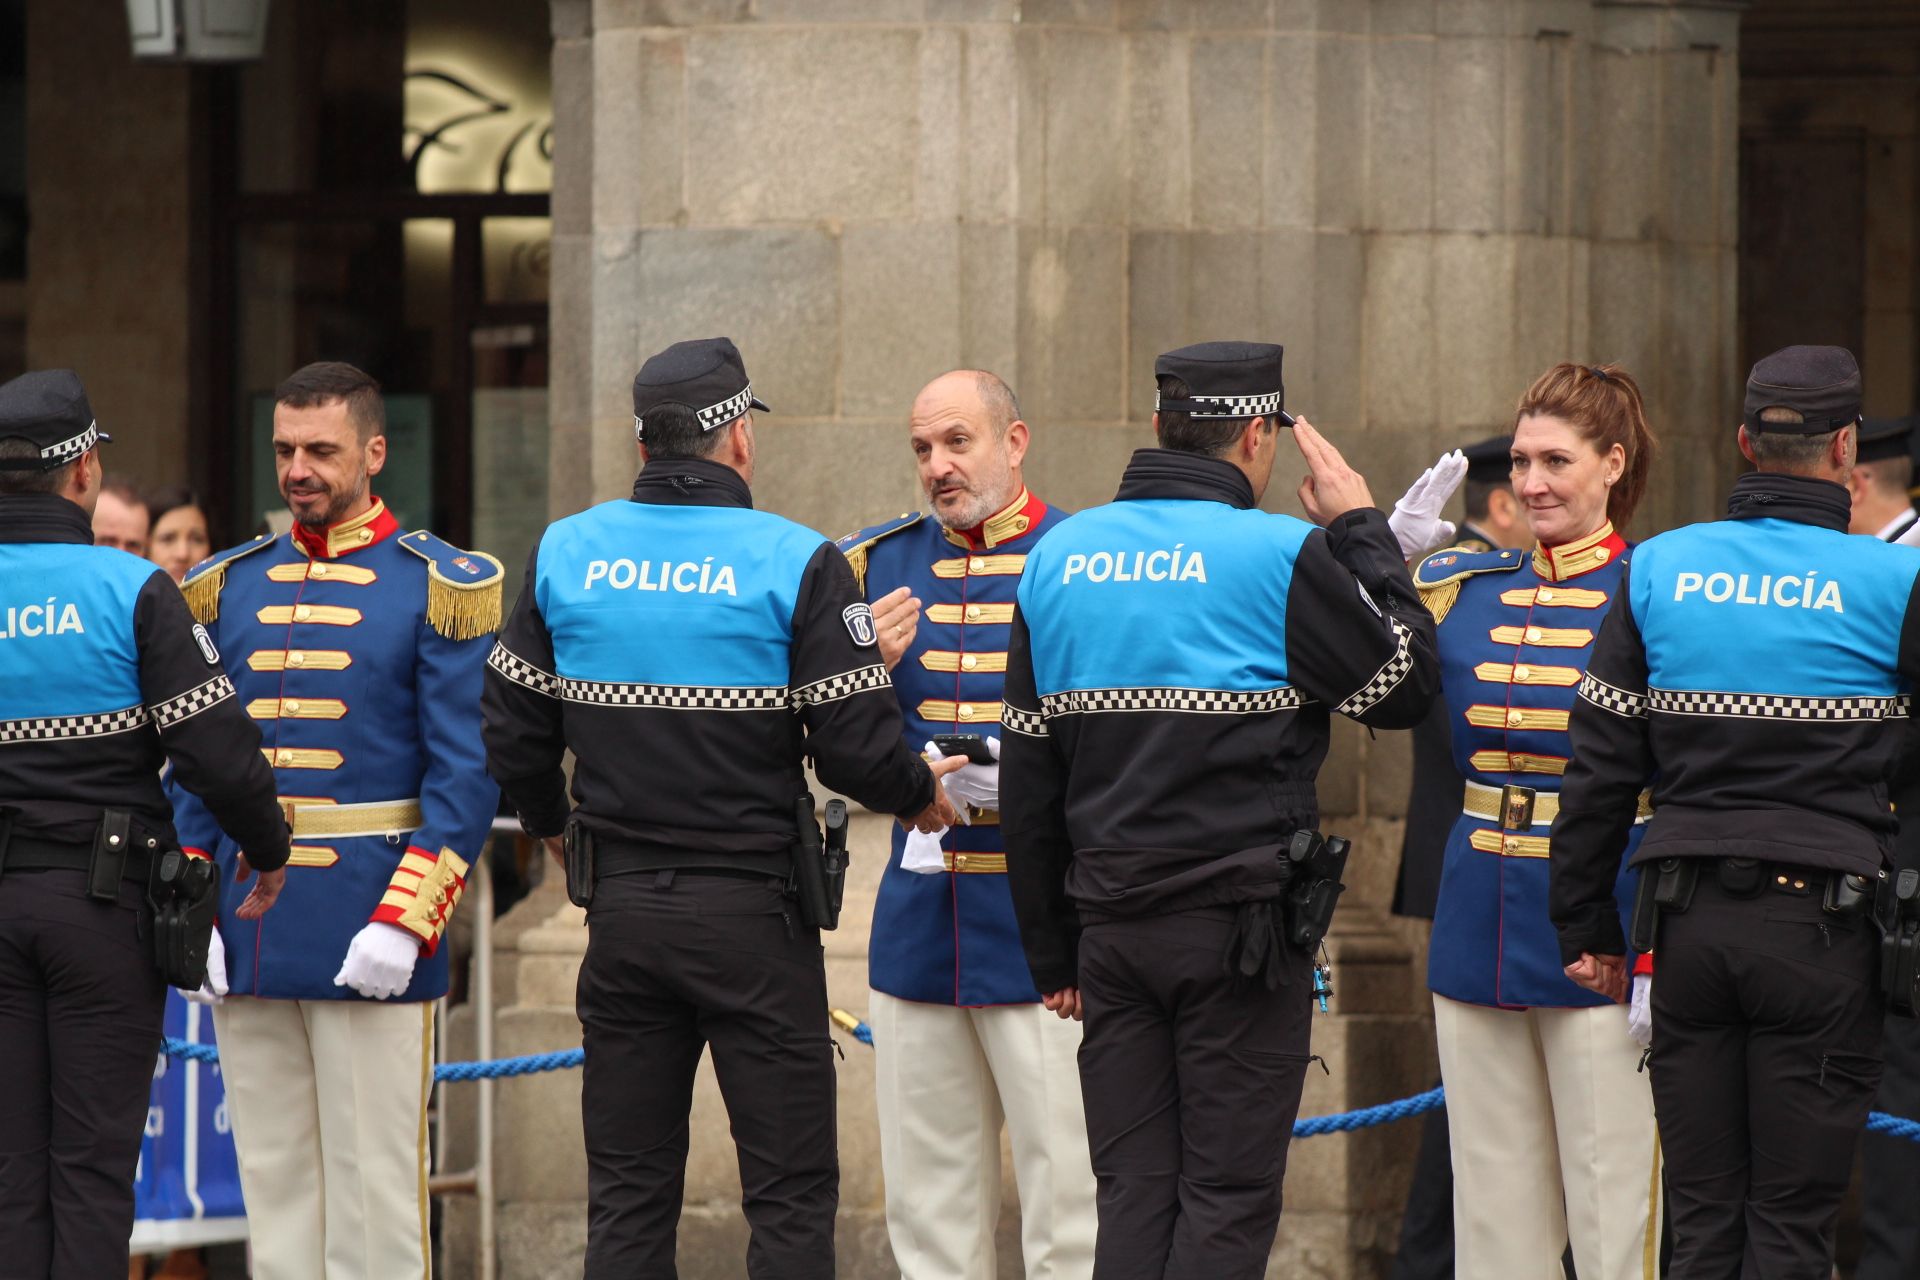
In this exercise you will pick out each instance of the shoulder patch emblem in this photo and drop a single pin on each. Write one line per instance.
(463, 587)
(859, 620)
(205, 641)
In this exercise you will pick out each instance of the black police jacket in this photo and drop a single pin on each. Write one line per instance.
(104, 677)
(1757, 671)
(1175, 657)
(689, 650)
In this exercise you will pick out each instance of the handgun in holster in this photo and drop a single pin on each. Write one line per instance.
(184, 895)
(576, 851)
(1897, 914)
(818, 901)
(1313, 888)
(1665, 887)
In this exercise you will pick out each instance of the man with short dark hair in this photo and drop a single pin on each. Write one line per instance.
(359, 648)
(103, 677)
(1174, 660)
(690, 651)
(961, 1042)
(1753, 669)
(1877, 485)
(120, 518)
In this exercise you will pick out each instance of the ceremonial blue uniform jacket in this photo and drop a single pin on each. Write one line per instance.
(951, 938)
(1758, 671)
(1516, 630)
(359, 651)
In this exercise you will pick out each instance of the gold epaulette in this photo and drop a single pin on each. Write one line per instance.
(463, 587)
(204, 582)
(855, 545)
(1438, 577)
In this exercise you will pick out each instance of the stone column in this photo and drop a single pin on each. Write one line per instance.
(1427, 201)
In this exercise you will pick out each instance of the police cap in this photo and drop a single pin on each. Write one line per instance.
(1490, 461)
(1225, 380)
(1821, 384)
(1882, 439)
(705, 375)
(48, 409)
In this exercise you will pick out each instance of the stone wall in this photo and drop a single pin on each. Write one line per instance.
(110, 230)
(1427, 201)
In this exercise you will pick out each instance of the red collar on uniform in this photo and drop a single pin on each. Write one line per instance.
(1582, 555)
(372, 525)
(1010, 522)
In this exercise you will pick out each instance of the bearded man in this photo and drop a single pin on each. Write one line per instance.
(961, 1041)
(360, 650)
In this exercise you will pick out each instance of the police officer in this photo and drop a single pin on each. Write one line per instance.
(103, 677)
(1175, 656)
(690, 650)
(1890, 1166)
(1750, 668)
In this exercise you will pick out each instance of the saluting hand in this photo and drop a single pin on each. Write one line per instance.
(264, 894)
(896, 617)
(1331, 488)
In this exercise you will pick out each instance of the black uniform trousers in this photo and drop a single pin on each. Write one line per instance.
(678, 961)
(1191, 1081)
(80, 1021)
(1890, 1166)
(1766, 1056)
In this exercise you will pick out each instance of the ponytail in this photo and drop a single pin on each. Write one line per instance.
(1603, 404)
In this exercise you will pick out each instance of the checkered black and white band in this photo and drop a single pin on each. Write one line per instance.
(844, 685)
(53, 728)
(1224, 702)
(1766, 706)
(1260, 406)
(187, 705)
(55, 455)
(675, 697)
(520, 671)
(1387, 678)
(1612, 698)
(1020, 720)
(719, 415)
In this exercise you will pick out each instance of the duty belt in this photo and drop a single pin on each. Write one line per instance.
(316, 820)
(1517, 810)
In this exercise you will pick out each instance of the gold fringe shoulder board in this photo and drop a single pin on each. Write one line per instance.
(204, 581)
(463, 587)
(855, 545)
(1438, 577)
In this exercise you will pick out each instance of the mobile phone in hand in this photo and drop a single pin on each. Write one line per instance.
(970, 745)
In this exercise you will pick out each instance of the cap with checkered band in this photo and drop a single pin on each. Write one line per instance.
(1820, 384)
(705, 375)
(47, 408)
(1225, 380)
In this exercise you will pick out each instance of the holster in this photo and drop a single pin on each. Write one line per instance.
(184, 896)
(577, 849)
(1896, 912)
(1314, 887)
(111, 842)
(1665, 887)
(819, 904)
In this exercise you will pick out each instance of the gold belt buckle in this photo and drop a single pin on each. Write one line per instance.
(287, 810)
(1516, 808)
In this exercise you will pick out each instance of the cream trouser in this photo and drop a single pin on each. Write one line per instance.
(1553, 1141)
(947, 1078)
(329, 1107)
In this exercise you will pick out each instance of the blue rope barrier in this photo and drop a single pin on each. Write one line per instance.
(1312, 1127)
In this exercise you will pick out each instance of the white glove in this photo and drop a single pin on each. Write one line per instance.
(215, 987)
(1416, 521)
(1640, 1010)
(379, 961)
(977, 785)
(923, 854)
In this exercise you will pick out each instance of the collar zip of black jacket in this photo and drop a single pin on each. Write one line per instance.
(1169, 473)
(1775, 495)
(691, 482)
(43, 517)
